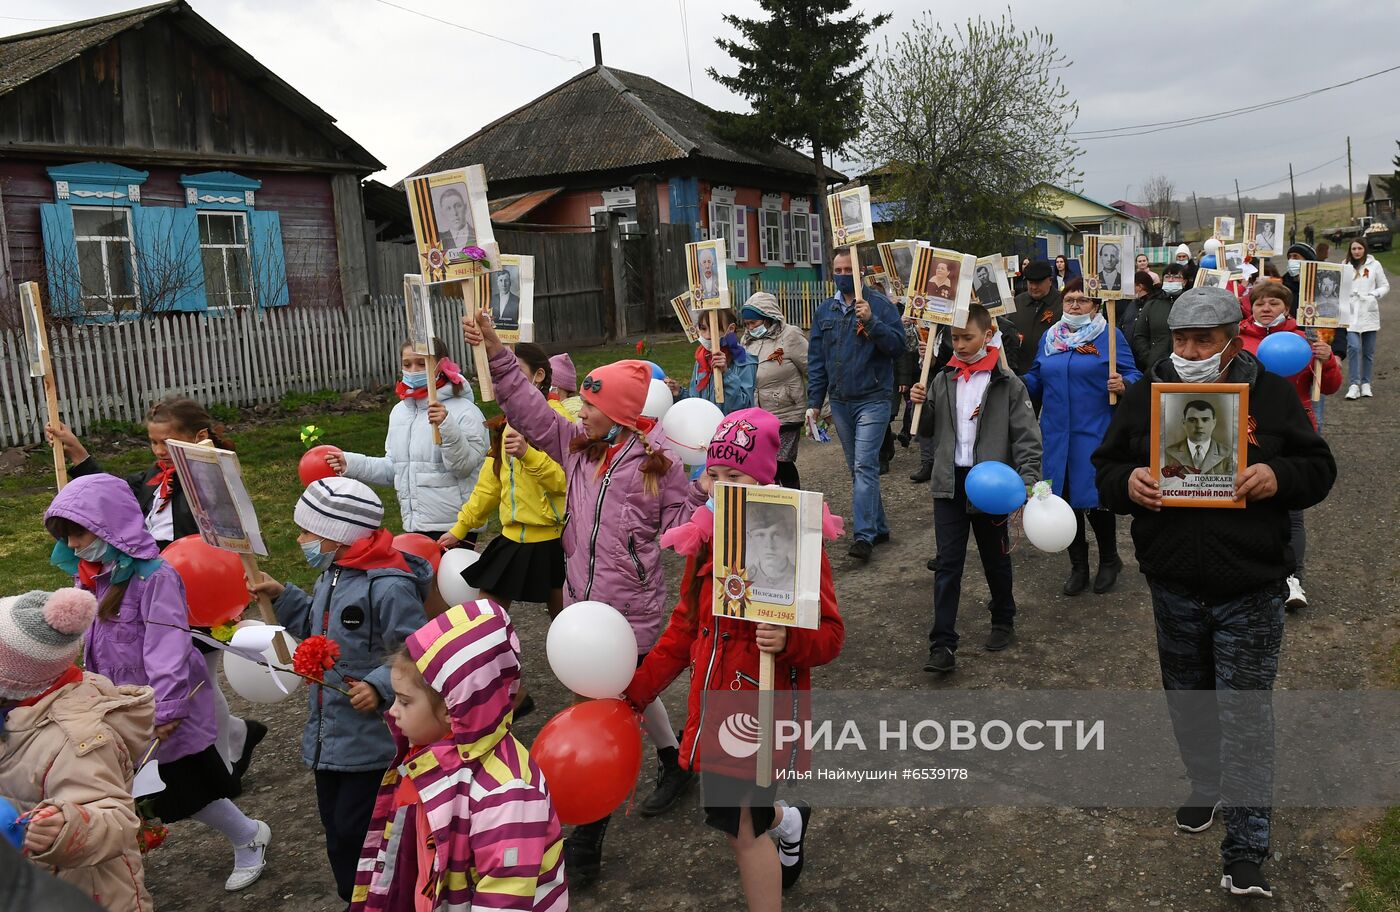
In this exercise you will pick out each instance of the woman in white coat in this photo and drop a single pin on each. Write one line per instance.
(1361, 315)
(432, 481)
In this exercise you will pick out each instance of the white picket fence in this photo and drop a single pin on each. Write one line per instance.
(114, 371)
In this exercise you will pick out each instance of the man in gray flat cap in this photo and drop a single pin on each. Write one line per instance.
(1217, 576)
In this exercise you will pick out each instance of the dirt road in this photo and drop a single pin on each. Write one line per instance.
(980, 859)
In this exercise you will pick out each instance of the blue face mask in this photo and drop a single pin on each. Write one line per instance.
(758, 332)
(315, 557)
(846, 284)
(611, 436)
(415, 379)
(96, 552)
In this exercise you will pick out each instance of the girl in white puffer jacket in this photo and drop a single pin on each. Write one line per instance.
(1363, 285)
(432, 481)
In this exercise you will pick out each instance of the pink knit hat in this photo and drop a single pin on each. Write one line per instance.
(561, 368)
(747, 440)
(618, 390)
(40, 634)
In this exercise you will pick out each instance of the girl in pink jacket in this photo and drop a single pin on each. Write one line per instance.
(624, 490)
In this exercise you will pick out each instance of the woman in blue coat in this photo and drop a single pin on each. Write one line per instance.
(1070, 380)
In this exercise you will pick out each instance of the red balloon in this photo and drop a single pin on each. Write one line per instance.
(215, 590)
(590, 754)
(313, 464)
(421, 545)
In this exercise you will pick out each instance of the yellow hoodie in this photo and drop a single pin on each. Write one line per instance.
(529, 495)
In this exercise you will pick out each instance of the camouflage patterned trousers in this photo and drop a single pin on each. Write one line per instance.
(1218, 663)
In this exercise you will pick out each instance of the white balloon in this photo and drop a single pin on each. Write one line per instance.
(258, 683)
(659, 400)
(1049, 522)
(453, 589)
(689, 425)
(592, 649)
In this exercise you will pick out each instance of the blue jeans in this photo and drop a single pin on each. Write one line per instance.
(861, 426)
(1361, 351)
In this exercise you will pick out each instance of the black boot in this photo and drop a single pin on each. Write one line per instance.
(583, 853)
(1078, 579)
(1110, 564)
(923, 474)
(672, 782)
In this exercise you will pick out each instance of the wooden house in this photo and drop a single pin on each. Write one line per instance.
(1379, 202)
(148, 164)
(1087, 216)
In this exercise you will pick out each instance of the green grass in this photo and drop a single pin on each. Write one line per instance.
(1379, 890)
(268, 450)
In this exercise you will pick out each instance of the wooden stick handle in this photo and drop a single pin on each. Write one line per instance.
(1001, 352)
(718, 378)
(855, 270)
(60, 468)
(1317, 381)
(763, 774)
(432, 393)
(923, 376)
(279, 642)
(479, 357)
(1112, 344)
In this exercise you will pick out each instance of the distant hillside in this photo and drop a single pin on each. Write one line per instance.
(1328, 215)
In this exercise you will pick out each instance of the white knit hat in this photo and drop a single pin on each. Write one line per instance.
(40, 634)
(1182, 248)
(339, 509)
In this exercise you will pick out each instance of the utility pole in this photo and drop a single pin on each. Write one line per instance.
(1239, 205)
(1292, 195)
(1199, 226)
(1351, 197)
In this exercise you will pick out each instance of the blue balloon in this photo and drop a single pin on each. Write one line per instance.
(1208, 261)
(995, 487)
(656, 372)
(1284, 353)
(10, 825)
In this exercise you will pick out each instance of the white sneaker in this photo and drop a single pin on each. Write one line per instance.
(1297, 598)
(1366, 390)
(1354, 392)
(242, 878)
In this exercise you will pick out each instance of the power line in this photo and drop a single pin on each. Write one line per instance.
(685, 36)
(474, 31)
(1278, 180)
(1160, 126)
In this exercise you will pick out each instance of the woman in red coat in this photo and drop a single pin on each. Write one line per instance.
(1271, 303)
(723, 655)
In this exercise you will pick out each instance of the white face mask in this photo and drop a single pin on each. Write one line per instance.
(1077, 321)
(705, 341)
(1207, 371)
(1295, 267)
(1172, 288)
(1274, 322)
(758, 332)
(976, 356)
(93, 552)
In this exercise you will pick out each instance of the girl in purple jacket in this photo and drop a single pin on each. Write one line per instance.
(141, 637)
(624, 490)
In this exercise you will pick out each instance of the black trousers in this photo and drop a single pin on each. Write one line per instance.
(346, 803)
(951, 524)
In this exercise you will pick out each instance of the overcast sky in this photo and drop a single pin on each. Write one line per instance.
(407, 88)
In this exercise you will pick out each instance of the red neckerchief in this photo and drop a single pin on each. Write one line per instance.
(374, 553)
(985, 363)
(73, 675)
(88, 572)
(161, 481)
(407, 392)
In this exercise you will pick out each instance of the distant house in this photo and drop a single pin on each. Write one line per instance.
(1157, 229)
(1380, 202)
(1088, 216)
(612, 141)
(151, 165)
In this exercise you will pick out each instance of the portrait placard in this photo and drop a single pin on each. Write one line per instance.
(1320, 290)
(213, 483)
(1200, 433)
(1013, 266)
(941, 285)
(1263, 233)
(849, 214)
(450, 217)
(419, 313)
(512, 298)
(36, 342)
(685, 317)
(1211, 278)
(709, 278)
(898, 259)
(1224, 227)
(1232, 260)
(1105, 261)
(990, 285)
(767, 554)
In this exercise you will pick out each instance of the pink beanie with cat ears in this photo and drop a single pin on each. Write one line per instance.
(747, 440)
(40, 635)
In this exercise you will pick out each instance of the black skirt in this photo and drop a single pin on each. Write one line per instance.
(192, 783)
(521, 572)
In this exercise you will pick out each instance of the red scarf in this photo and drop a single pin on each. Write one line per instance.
(705, 359)
(985, 363)
(88, 572)
(374, 553)
(161, 481)
(73, 675)
(448, 372)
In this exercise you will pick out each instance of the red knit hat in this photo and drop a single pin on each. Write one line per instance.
(618, 390)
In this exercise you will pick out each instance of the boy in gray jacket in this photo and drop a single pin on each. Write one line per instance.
(975, 411)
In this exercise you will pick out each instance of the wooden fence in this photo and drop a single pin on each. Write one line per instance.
(798, 299)
(114, 371)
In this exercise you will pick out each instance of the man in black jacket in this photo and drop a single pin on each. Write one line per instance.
(1037, 309)
(1217, 576)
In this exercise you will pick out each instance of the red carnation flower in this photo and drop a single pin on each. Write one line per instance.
(151, 834)
(314, 657)
(641, 345)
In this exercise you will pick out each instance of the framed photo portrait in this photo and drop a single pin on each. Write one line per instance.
(451, 220)
(941, 285)
(419, 313)
(1107, 266)
(1199, 442)
(213, 483)
(681, 304)
(36, 341)
(1232, 260)
(991, 287)
(898, 259)
(512, 298)
(709, 279)
(1263, 233)
(1224, 227)
(1013, 266)
(767, 549)
(1211, 278)
(1320, 290)
(849, 212)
